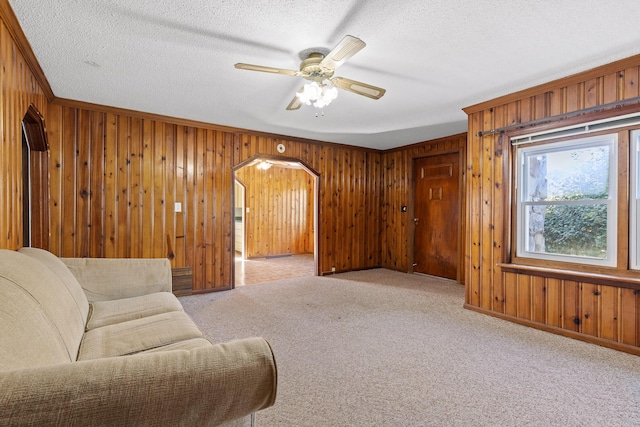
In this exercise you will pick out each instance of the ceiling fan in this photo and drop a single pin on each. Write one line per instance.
(319, 68)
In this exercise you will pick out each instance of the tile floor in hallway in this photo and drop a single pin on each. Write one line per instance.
(260, 270)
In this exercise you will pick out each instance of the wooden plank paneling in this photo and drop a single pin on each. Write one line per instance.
(68, 185)
(553, 303)
(609, 313)
(524, 299)
(280, 210)
(571, 306)
(589, 307)
(596, 311)
(486, 212)
(500, 188)
(396, 168)
(629, 330)
(110, 183)
(539, 299)
(118, 182)
(19, 88)
(120, 177)
(338, 167)
(511, 294)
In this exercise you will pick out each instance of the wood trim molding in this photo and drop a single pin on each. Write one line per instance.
(33, 124)
(596, 72)
(194, 123)
(13, 26)
(429, 141)
(210, 290)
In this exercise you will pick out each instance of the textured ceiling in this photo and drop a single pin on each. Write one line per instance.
(176, 58)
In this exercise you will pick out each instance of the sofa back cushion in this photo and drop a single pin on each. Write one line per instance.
(58, 268)
(104, 279)
(42, 285)
(28, 335)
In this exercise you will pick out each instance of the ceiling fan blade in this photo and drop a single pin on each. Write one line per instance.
(272, 70)
(363, 89)
(344, 50)
(295, 103)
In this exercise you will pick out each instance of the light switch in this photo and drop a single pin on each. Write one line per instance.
(177, 207)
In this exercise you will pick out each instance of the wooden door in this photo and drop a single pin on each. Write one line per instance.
(436, 217)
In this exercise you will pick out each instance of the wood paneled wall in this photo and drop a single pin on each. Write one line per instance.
(39, 202)
(20, 88)
(398, 226)
(586, 309)
(349, 197)
(280, 202)
(115, 180)
(116, 175)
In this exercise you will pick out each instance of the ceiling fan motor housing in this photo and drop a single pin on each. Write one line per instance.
(310, 68)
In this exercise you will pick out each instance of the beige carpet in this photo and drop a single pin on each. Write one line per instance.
(382, 348)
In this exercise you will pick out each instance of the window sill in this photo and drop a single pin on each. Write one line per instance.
(578, 276)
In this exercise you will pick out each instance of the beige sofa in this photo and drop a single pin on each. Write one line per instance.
(93, 342)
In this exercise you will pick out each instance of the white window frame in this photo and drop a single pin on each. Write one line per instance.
(634, 202)
(522, 232)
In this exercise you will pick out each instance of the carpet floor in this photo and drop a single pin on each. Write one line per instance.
(382, 348)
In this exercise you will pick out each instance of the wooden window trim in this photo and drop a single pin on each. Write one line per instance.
(620, 275)
(33, 125)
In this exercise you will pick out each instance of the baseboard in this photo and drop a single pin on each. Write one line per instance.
(625, 348)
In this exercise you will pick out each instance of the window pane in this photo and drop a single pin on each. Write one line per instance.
(566, 204)
(568, 174)
(575, 230)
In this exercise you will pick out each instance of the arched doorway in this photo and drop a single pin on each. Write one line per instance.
(277, 219)
(35, 181)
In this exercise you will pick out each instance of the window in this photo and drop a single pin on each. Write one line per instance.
(567, 200)
(635, 201)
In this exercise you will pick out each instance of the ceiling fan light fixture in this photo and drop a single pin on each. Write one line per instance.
(320, 95)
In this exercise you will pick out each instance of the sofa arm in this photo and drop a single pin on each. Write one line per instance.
(114, 278)
(204, 386)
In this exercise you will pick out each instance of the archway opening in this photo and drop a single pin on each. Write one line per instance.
(275, 220)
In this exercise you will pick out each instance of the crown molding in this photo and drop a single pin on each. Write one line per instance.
(82, 105)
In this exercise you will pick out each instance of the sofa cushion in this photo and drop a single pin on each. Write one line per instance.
(137, 335)
(39, 321)
(113, 278)
(104, 313)
(182, 345)
(56, 265)
(27, 337)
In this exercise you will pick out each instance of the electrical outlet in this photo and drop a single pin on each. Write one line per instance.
(333, 269)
